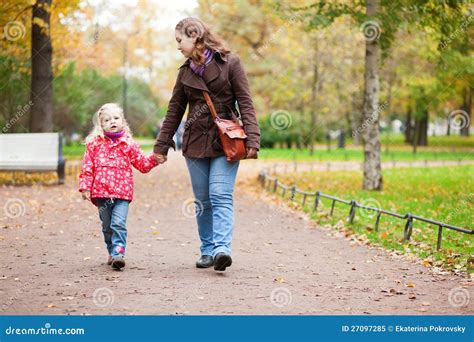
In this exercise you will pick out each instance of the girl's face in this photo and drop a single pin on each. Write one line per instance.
(111, 123)
(185, 43)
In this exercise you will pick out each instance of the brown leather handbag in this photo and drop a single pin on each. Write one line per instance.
(231, 133)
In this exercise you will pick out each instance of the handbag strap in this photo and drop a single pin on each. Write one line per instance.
(210, 104)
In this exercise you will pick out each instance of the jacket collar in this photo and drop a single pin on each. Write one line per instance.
(125, 138)
(219, 57)
(212, 71)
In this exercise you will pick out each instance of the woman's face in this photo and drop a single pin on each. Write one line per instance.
(185, 43)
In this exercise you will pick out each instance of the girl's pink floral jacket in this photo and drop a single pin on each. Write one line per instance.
(107, 167)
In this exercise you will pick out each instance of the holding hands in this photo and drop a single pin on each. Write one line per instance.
(86, 195)
(160, 158)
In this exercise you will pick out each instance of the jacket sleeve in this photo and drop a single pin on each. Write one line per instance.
(174, 115)
(241, 89)
(86, 177)
(140, 161)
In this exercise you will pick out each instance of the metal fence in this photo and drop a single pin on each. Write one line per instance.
(272, 183)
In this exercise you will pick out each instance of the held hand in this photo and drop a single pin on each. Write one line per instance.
(160, 158)
(252, 153)
(86, 195)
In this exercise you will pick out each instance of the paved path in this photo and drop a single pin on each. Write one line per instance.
(53, 259)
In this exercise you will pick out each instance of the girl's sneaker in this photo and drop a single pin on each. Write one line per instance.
(109, 260)
(118, 262)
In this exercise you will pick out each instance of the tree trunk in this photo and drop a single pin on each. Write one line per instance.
(356, 117)
(466, 107)
(302, 125)
(371, 133)
(448, 124)
(41, 115)
(314, 90)
(422, 127)
(408, 128)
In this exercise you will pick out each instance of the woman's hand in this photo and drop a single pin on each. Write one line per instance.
(251, 153)
(86, 195)
(160, 158)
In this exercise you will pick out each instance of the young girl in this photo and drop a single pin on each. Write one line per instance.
(106, 177)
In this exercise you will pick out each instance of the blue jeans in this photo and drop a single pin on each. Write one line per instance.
(213, 186)
(113, 214)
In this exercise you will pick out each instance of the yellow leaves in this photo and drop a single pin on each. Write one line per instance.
(28, 178)
(279, 280)
(42, 25)
(427, 262)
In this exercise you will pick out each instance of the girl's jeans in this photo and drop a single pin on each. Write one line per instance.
(213, 186)
(113, 214)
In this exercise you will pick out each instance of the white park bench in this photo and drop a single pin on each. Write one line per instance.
(32, 152)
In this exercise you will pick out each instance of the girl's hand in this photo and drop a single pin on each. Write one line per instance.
(86, 195)
(251, 153)
(160, 158)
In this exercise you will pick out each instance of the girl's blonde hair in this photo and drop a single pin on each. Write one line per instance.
(111, 109)
(204, 38)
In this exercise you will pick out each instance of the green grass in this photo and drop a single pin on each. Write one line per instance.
(453, 141)
(356, 154)
(444, 194)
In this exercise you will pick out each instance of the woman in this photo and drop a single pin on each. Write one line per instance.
(210, 66)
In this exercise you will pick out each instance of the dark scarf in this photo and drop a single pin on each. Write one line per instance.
(114, 136)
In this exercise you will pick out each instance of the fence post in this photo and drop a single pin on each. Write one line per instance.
(275, 185)
(377, 220)
(293, 192)
(352, 212)
(440, 235)
(332, 207)
(316, 201)
(408, 228)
